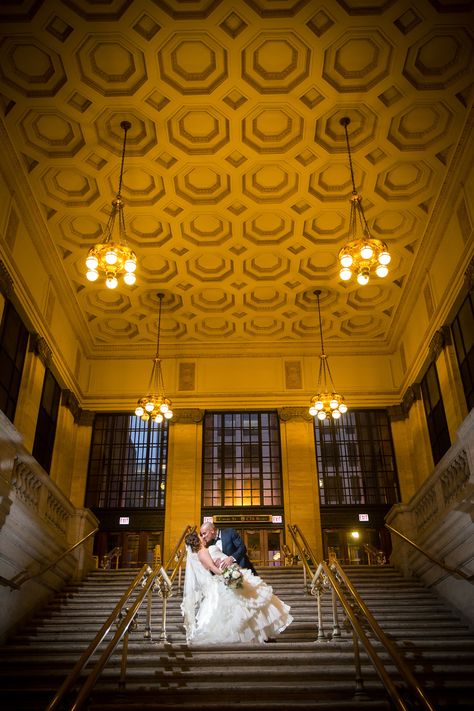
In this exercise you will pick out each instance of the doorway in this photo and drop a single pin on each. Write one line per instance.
(264, 546)
(350, 545)
(135, 548)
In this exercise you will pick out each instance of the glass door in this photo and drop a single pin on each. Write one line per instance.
(264, 546)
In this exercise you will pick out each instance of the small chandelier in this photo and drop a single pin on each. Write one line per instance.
(325, 404)
(112, 258)
(363, 253)
(155, 405)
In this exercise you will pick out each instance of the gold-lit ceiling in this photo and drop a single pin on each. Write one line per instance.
(236, 182)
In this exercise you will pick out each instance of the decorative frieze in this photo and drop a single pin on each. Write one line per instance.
(426, 509)
(455, 478)
(25, 484)
(56, 514)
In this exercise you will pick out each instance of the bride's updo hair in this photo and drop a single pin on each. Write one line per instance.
(193, 541)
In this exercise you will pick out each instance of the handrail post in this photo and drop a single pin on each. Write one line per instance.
(336, 630)
(123, 664)
(321, 635)
(164, 589)
(147, 634)
(359, 682)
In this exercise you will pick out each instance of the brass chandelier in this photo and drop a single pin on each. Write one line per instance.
(155, 405)
(113, 257)
(363, 254)
(325, 404)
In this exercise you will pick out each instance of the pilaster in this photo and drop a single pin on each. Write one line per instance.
(300, 478)
(183, 482)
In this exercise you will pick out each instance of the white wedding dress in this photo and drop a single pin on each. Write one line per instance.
(217, 614)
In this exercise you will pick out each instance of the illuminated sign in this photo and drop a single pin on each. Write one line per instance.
(277, 519)
(363, 517)
(124, 520)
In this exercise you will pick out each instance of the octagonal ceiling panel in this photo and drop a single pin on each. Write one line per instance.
(236, 177)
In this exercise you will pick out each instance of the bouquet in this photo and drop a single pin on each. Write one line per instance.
(232, 576)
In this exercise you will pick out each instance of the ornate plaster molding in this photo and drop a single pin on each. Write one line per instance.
(294, 413)
(39, 346)
(6, 282)
(440, 340)
(191, 416)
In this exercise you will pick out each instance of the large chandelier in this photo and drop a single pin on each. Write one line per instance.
(155, 405)
(113, 257)
(363, 253)
(325, 404)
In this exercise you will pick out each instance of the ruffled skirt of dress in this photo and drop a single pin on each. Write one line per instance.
(247, 615)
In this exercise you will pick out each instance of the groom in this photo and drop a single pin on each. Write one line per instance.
(231, 544)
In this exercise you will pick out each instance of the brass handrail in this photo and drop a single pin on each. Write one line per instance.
(325, 571)
(99, 637)
(18, 580)
(116, 552)
(149, 579)
(442, 564)
(374, 554)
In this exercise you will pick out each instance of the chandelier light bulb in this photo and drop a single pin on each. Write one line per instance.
(333, 404)
(129, 278)
(346, 260)
(111, 257)
(111, 282)
(363, 277)
(159, 418)
(164, 407)
(149, 406)
(319, 405)
(130, 265)
(313, 411)
(345, 274)
(145, 417)
(92, 262)
(385, 258)
(168, 414)
(366, 251)
(92, 275)
(321, 415)
(381, 271)
(139, 411)
(342, 408)
(336, 414)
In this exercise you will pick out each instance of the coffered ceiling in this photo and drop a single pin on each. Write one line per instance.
(236, 181)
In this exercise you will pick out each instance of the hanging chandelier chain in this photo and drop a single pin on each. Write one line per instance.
(320, 322)
(160, 297)
(125, 125)
(345, 122)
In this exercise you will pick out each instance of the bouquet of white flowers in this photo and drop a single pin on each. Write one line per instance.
(232, 576)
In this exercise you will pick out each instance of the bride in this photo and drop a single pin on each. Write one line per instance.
(217, 611)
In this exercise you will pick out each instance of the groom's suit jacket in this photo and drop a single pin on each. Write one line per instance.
(232, 544)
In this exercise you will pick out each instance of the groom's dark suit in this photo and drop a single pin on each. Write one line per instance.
(233, 545)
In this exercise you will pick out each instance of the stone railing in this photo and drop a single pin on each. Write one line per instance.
(38, 524)
(440, 520)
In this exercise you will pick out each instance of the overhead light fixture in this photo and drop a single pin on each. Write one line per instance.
(113, 257)
(155, 405)
(363, 254)
(326, 404)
